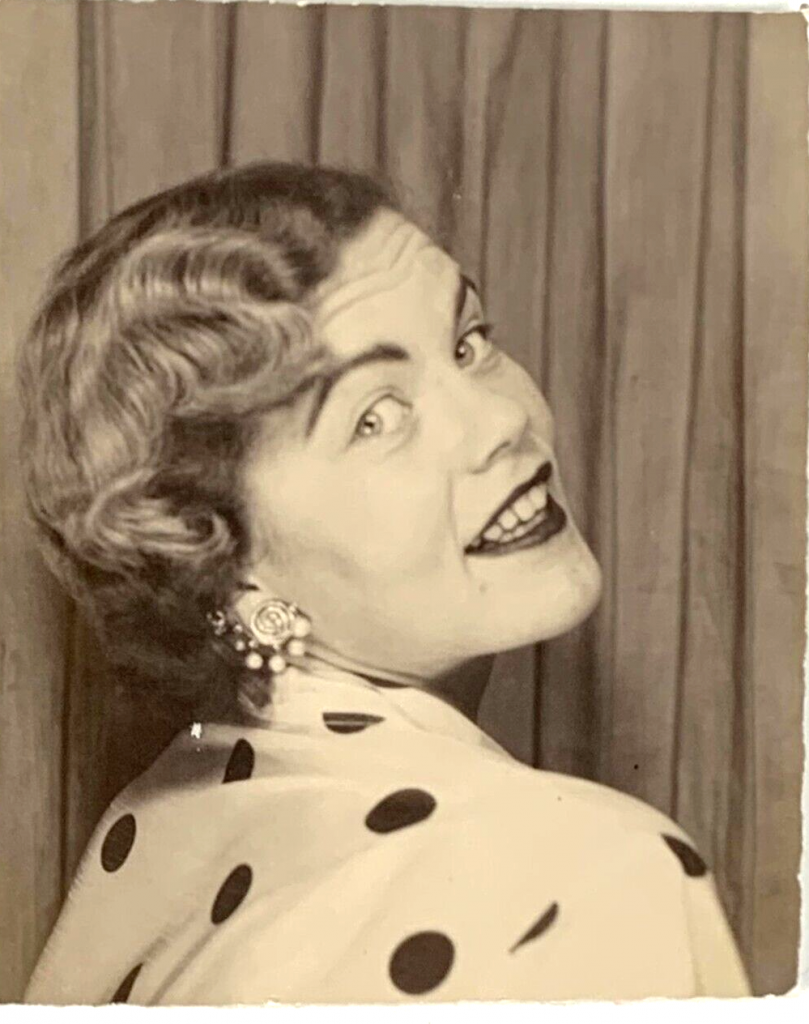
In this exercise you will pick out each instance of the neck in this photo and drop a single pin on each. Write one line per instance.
(462, 686)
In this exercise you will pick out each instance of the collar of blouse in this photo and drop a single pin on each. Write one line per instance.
(307, 698)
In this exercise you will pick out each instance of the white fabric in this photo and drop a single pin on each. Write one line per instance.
(329, 901)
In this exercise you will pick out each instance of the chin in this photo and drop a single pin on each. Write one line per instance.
(554, 602)
(573, 607)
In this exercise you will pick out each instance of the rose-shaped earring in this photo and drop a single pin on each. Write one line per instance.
(276, 628)
(280, 626)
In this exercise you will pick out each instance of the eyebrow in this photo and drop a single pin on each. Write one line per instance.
(465, 286)
(383, 352)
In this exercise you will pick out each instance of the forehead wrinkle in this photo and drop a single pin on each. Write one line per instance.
(350, 289)
(387, 251)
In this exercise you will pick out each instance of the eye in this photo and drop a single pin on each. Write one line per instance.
(383, 417)
(474, 344)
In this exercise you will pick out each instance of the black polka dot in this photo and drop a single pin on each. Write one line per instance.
(421, 962)
(384, 682)
(542, 924)
(349, 721)
(399, 809)
(240, 764)
(123, 990)
(231, 893)
(118, 842)
(692, 863)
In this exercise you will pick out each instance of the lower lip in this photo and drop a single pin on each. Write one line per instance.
(554, 522)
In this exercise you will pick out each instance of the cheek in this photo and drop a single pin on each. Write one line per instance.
(402, 526)
(355, 526)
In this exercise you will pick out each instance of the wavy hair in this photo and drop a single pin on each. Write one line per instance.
(159, 343)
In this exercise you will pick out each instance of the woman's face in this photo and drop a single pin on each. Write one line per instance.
(365, 497)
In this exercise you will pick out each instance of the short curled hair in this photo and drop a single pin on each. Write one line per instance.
(160, 342)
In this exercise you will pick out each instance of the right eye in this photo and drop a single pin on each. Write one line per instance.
(383, 417)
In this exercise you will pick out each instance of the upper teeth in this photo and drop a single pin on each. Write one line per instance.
(521, 511)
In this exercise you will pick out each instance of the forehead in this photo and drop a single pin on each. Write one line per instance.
(391, 269)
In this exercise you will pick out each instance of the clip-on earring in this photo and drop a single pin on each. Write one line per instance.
(275, 624)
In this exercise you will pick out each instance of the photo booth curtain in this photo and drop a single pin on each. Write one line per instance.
(630, 191)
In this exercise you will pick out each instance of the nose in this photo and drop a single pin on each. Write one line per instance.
(496, 425)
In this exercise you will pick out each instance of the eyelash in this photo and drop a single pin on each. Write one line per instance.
(485, 328)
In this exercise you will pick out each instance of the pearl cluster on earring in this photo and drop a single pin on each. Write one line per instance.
(276, 628)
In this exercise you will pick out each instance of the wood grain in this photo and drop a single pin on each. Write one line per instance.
(39, 203)
(708, 673)
(132, 142)
(575, 343)
(353, 81)
(276, 82)
(776, 324)
(656, 110)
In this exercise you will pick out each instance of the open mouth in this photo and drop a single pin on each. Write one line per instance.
(528, 517)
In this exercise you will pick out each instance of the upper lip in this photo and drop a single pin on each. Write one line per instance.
(541, 476)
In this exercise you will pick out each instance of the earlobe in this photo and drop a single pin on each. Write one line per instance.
(248, 596)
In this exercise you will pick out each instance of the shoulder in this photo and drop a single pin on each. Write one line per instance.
(603, 805)
(578, 824)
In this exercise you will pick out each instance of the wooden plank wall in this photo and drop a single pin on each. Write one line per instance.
(631, 192)
(38, 189)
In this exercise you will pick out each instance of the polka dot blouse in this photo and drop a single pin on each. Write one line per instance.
(370, 844)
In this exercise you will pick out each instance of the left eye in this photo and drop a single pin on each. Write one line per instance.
(474, 344)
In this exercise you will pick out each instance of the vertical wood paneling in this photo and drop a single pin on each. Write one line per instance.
(133, 143)
(712, 585)
(573, 338)
(422, 113)
(39, 203)
(353, 87)
(776, 323)
(276, 82)
(154, 116)
(486, 49)
(520, 153)
(658, 77)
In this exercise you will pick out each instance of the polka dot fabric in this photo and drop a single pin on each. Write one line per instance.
(369, 844)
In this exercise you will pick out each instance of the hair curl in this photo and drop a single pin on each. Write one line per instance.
(158, 345)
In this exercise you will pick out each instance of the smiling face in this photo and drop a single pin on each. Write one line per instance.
(364, 498)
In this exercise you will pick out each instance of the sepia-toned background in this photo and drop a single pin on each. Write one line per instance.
(630, 191)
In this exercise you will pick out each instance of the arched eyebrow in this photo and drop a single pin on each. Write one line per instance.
(383, 352)
(465, 286)
(380, 353)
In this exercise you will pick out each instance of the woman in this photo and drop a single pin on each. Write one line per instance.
(272, 447)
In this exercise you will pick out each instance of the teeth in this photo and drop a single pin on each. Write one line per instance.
(524, 508)
(508, 519)
(519, 517)
(539, 496)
